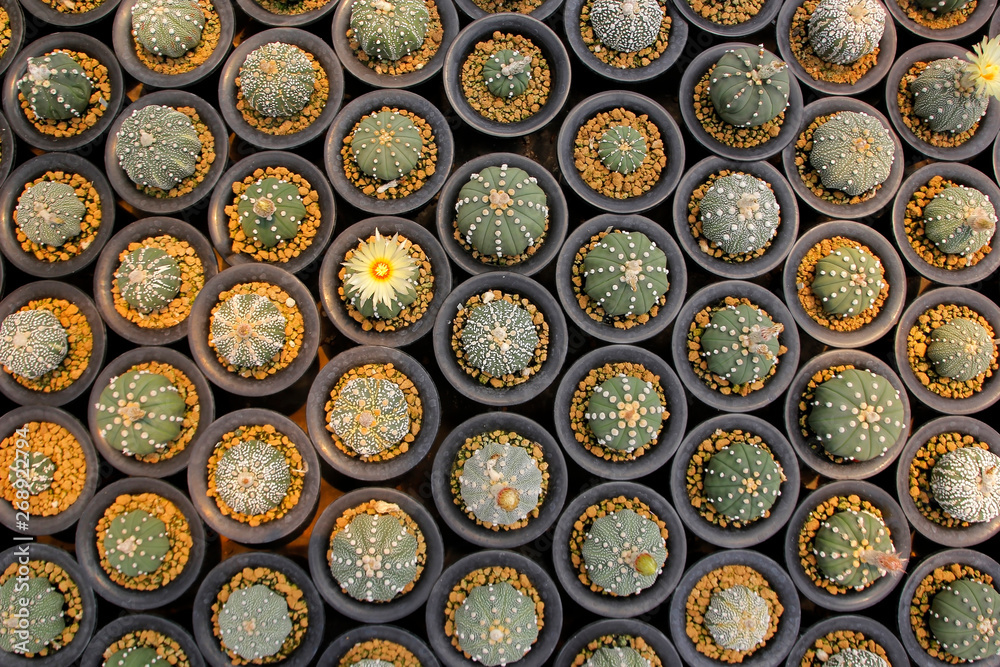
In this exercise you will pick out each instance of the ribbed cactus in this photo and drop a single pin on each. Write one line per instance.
(496, 624)
(960, 220)
(852, 152)
(388, 30)
(501, 211)
(852, 657)
(942, 6)
(944, 98)
(380, 278)
(739, 213)
(500, 483)
(626, 25)
(386, 145)
(626, 274)
(140, 413)
(965, 619)
(252, 477)
(616, 656)
(136, 543)
(742, 481)
(857, 415)
(37, 476)
(622, 149)
(847, 281)
(738, 618)
(56, 87)
(624, 413)
(254, 622)
(136, 656)
(374, 557)
(248, 330)
(624, 552)
(507, 73)
(961, 349)
(158, 146)
(271, 211)
(841, 31)
(50, 213)
(854, 549)
(966, 484)
(749, 86)
(370, 415)
(499, 338)
(277, 79)
(45, 620)
(168, 28)
(741, 343)
(148, 279)
(32, 343)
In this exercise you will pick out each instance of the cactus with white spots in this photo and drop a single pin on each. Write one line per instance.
(626, 25)
(148, 279)
(854, 549)
(961, 349)
(140, 413)
(248, 330)
(507, 73)
(626, 274)
(841, 31)
(386, 145)
(277, 79)
(374, 557)
(852, 657)
(136, 656)
(389, 30)
(499, 338)
(853, 152)
(624, 552)
(45, 619)
(37, 475)
(742, 481)
(942, 6)
(168, 28)
(857, 415)
(741, 343)
(370, 415)
(960, 220)
(749, 86)
(50, 213)
(158, 146)
(966, 484)
(945, 99)
(270, 211)
(56, 87)
(254, 622)
(965, 619)
(136, 543)
(500, 483)
(738, 618)
(739, 213)
(847, 281)
(252, 477)
(501, 211)
(616, 656)
(622, 149)
(32, 343)
(624, 413)
(496, 624)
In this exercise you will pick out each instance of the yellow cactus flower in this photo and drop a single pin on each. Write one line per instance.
(983, 68)
(381, 270)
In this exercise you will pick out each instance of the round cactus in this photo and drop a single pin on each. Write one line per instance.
(626, 25)
(271, 211)
(499, 338)
(507, 73)
(148, 279)
(626, 274)
(852, 657)
(616, 656)
(749, 87)
(56, 87)
(960, 220)
(158, 146)
(500, 483)
(848, 281)
(374, 557)
(386, 145)
(136, 656)
(944, 99)
(277, 79)
(854, 549)
(961, 349)
(841, 31)
(622, 149)
(852, 152)
(739, 213)
(624, 413)
(45, 619)
(136, 543)
(140, 413)
(389, 30)
(248, 330)
(624, 552)
(168, 28)
(741, 343)
(742, 481)
(965, 619)
(37, 476)
(50, 213)
(966, 484)
(32, 343)
(370, 415)
(496, 624)
(501, 211)
(942, 6)
(857, 415)
(254, 622)
(252, 477)
(380, 278)
(738, 618)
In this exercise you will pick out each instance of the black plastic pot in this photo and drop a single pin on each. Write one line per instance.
(48, 525)
(130, 465)
(15, 18)
(869, 627)
(542, 12)
(128, 190)
(62, 40)
(296, 519)
(261, 15)
(548, 637)
(787, 364)
(760, 530)
(107, 264)
(125, 49)
(959, 173)
(90, 559)
(8, 148)
(123, 625)
(330, 283)
(319, 394)
(830, 105)
(994, 28)
(959, 536)
(639, 104)
(54, 289)
(959, 296)
(201, 321)
(329, 588)
(653, 637)
(980, 15)
(364, 105)
(50, 15)
(209, 589)
(758, 23)
(780, 244)
(895, 275)
(554, 234)
(508, 283)
(335, 652)
(611, 606)
(458, 521)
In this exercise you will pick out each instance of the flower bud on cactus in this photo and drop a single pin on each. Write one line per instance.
(36, 477)
(496, 624)
(374, 557)
(500, 483)
(841, 31)
(388, 30)
(277, 79)
(252, 477)
(847, 281)
(964, 619)
(380, 278)
(248, 330)
(50, 213)
(749, 86)
(624, 413)
(857, 415)
(140, 413)
(737, 618)
(742, 481)
(168, 28)
(622, 149)
(254, 622)
(960, 220)
(370, 415)
(499, 338)
(854, 549)
(158, 146)
(741, 344)
(56, 87)
(944, 98)
(853, 152)
(148, 279)
(386, 145)
(136, 543)
(739, 213)
(626, 274)
(136, 656)
(852, 657)
(961, 349)
(271, 211)
(626, 25)
(617, 656)
(624, 552)
(501, 211)
(942, 6)
(507, 73)
(44, 622)
(32, 343)
(966, 484)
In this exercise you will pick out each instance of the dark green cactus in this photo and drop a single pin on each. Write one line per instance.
(964, 619)
(852, 657)
(507, 73)
(501, 211)
(961, 349)
(252, 477)
(960, 220)
(36, 477)
(277, 79)
(135, 656)
(496, 624)
(624, 413)
(738, 618)
(56, 87)
(626, 274)
(140, 413)
(622, 149)
(386, 145)
(742, 481)
(248, 330)
(136, 543)
(168, 28)
(148, 279)
(854, 549)
(254, 622)
(942, 6)
(966, 484)
(271, 211)
(841, 31)
(499, 338)
(626, 25)
(389, 30)
(500, 483)
(848, 281)
(158, 146)
(857, 415)
(749, 86)
(616, 656)
(370, 415)
(945, 99)
(374, 557)
(32, 343)
(45, 614)
(739, 213)
(853, 152)
(50, 213)
(624, 552)
(741, 343)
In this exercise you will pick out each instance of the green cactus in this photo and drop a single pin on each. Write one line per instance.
(626, 25)
(386, 145)
(50, 213)
(961, 349)
(960, 220)
(496, 624)
(966, 484)
(32, 343)
(742, 481)
(852, 657)
(252, 477)
(749, 86)
(501, 211)
(271, 211)
(622, 149)
(964, 619)
(616, 656)
(248, 330)
(140, 413)
(626, 274)
(738, 618)
(389, 30)
(148, 279)
(624, 552)
(507, 73)
(942, 6)
(372, 662)
(374, 557)
(370, 415)
(136, 543)
(500, 483)
(168, 28)
(739, 213)
(45, 615)
(848, 281)
(857, 415)
(499, 338)
(135, 656)
(741, 343)
(37, 475)
(381, 277)
(944, 98)
(277, 79)
(842, 31)
(158, 146)
(624, 413)
(853, 152)
(56, 87)
(854, 549)
(254, 622)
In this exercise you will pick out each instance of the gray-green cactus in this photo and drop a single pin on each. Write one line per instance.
(499, 338)
(374, 557)
(624, 552)
(277, 79)
(622, 148)
(56, 87)
(944, 98)
(252, 477)
(501, 211)
(626, 274)
(857, 415)
(854, 549)
(739, 213)
(616, 656)
(847, 281)
(852, 657)
(966, 484)
(960, 220)
(45, 621)
(248, 330)
(507, 73)
(50, 213)
(738, 618)
(148, 279)
(140, 413)
(254, 622)
(626, 25)
(136, 543)
(841, 31)
(35, 477)
(496, 624)
(749, 86)
(624, 413)
(961, 349)
(271, 211)
(386, 145)
(135, 656)
(742, 481)
(500, 483)
(965, 619)
(158, 146)
(372, 662)
(853, 152)
(32, 343)
(741, 343)
(168, 28)
(942, 6)
(370, 415)
(389, 30)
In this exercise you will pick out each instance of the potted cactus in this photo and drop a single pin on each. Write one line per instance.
(729, 19)
(142, 638)
(286, 13)
(620, 642)
(950, 20)
(11, 32)
(537, 9)
(848, 640)
(69, 14)
(387, 643)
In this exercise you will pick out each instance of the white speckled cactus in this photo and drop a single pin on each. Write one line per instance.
(743, 481)
(852, 657)
(140, 413)
(961, 349)
(854, 549)
(32, 343)
(739, 213)
(626, 25)
(168, 28)
(741, 343)
(502, 211)
(852, 152)
(847, 281)
(277, 79)
(624, 413)
(45, 620)
(499, 338)
(857, 415)
(254, 622)
(496, 624)
(626, 274)
(56, 87)
(624, 552)
(386, 145)
(944, 98)
(374, 557)
(500, 483)
(271, 211)
(252, 477)
(389, 30)
(841, 31)
(37, 475)
(966, 484)
(370, 415)
(158, 146)
(738, 618)
(965, 619)
(248, 330)
(50, 213)
(960, 220)
(616, 656)
(148, 279)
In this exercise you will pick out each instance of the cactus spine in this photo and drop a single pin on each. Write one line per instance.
(32, 343)
(964, 619)
(624, 413)
(626, 25)
(945, 99)
(56, 87)
(50, 213)
(158, 146)
(248, 330)
(742, 481)
(749, 87)
(738, 618)
(841, 31)
(140, 413)
(854, 549)
(960, 221)
(617, 656)
(277, 79)
(624, 552)
(271, 211)
(966, 484)
(148, 279)
(386, 145)
(500, 484)
(741, 343)
(496, 624)
(135, 656)
(622, 149)
(501, 211)
(374, 558)
(499, 338)
(168, 28)
(857, 415)
(370, 415)
(254, 622)
(853, 152)
(136, 543)
(626, 274)
(961, 349)
(45, 621)
(252, 477)
(507, 73)
(739, 213)
(847, 281)
(389, 30)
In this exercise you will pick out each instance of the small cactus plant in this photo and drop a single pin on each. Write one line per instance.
(374, 558)
(961, 349)
(140, 413)
(848, 281)
(852, 152)
(248, 330)
(500, 484)
(380, 278)
(739, 213)
(45, 620)
(50, 213)
(277, 79)
(622, 149)
(168, 28)
(965, 619)
(496, 624)
(854, 549)
(624, 413)
(386, 145)
(852, 657)
(158, 146)
(742, 481)
(942, 6)
(944, 99)
(136, 543)
(56, 87)
(960, 220)
(624, 552)
(626, 274)
(254, 622)
(857, 415)
(271, 211)
(32, 343)
(148, 279)
(626, 25)
(966, 483)
(38, 474)
(389, 30)
(252, 477)
(616, 656)
(502, 211)
(741, 343)
(738, 618)
(370, 415)
(841, 31)
(507, 73)
(136, 656)
(749, 86)
(499, 338)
